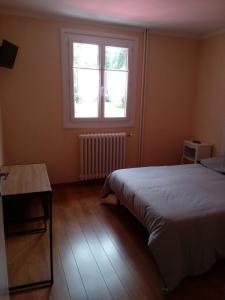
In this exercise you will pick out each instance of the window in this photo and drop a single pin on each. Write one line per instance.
(98, 79)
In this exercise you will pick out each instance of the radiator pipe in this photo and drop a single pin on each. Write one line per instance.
(143, 94)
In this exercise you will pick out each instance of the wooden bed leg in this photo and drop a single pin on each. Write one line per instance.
(118, 202)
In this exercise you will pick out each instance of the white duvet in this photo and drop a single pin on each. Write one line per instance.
(183, 209)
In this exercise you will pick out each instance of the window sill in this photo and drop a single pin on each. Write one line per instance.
(98, 124)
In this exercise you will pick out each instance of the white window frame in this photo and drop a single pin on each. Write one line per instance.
(68, 36)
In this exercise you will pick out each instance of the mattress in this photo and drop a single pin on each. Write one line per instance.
(183, 209)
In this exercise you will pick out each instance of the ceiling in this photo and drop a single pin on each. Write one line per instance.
(197, 17)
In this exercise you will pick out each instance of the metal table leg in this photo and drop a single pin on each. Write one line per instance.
(48, 282)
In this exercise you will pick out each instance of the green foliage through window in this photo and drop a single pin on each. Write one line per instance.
(116, 58)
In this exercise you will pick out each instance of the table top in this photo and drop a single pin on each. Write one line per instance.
(25, 179)
(191, 143)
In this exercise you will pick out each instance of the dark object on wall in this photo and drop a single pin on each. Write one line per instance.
(8, 52)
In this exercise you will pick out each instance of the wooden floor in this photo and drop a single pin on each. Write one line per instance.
(100, 252)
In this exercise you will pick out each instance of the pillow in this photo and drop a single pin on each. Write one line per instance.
(215, 163)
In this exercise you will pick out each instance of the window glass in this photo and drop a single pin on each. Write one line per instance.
(115, 94)
(116, 58)
(86, 93)
(85, 55)
(86, 80)
(115, 82)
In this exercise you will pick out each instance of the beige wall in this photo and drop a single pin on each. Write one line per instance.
(210, 104)
(31, 96)
(170, 95)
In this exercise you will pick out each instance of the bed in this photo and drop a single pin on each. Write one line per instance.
(183, 209)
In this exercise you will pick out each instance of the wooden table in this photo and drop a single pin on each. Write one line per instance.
(28, 181)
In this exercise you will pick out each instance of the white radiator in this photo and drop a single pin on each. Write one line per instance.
(101, 153)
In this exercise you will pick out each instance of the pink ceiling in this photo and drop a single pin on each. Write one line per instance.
(185, 16)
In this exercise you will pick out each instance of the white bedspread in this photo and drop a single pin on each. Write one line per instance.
(183, 209)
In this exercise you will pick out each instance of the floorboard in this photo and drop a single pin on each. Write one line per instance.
(100, 253)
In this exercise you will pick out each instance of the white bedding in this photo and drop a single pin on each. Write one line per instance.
(183, 209)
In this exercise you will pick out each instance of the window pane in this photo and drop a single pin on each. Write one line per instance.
(85, 55)
(86, 93)
(115, 94)
(116, 58)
